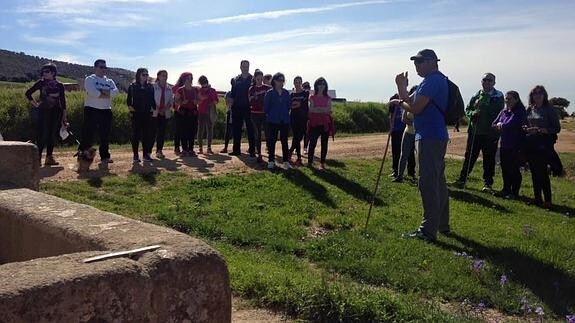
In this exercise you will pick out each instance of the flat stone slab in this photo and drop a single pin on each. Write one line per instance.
(44, 240)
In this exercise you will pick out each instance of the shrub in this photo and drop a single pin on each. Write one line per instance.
(16, 119)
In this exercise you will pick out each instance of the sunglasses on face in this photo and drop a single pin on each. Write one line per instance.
(487, 80)
(102, 67)
(419, 61)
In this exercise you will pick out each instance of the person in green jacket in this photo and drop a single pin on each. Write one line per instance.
(483, 108)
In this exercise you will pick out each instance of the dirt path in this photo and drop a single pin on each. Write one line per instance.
(367, 146)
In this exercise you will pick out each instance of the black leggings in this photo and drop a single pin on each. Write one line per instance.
(298, 126)
(538, 159)
(187, 127)
(510, 169)
(141, 131)
(314, 134)
(47, 127)
(273, 129)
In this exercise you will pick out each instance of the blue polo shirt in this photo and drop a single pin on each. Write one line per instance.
(430, 123)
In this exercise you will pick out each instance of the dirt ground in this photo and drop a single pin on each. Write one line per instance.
(366, 146)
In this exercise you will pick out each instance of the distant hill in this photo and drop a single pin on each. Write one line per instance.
(19, 67)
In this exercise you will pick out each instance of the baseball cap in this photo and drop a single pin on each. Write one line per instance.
(427, 54)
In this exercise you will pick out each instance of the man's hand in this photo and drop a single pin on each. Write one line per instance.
(394, 102)
(104, 93)
(401, 80)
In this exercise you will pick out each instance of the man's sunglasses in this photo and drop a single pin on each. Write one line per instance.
(102, 67)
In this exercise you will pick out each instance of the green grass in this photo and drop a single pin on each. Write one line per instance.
(261, 224)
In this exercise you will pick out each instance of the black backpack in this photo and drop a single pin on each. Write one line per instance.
(455, 106)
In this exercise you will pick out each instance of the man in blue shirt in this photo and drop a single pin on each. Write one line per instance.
(428, 104)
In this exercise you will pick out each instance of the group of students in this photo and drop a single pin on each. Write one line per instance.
(261, 103)
(525, 136)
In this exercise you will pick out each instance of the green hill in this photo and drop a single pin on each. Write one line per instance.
(22, 68)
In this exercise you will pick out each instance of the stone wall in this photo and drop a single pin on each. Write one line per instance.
(183, 281)
(19, 163)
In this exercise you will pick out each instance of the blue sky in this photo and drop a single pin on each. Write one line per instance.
(358, 46)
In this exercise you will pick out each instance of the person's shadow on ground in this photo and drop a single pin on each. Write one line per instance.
(554, 286)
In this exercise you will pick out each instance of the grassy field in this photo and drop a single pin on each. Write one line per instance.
(294, 241)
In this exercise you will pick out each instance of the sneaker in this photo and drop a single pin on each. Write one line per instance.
(136, 158)
(148, 158)
(310, 164)
(210, 152)
(305, 151)
(298, 162)
(160, 155)
(510, 196)
(459, 183)
(417, 235)
(547, 205)
(235, 153)
(398, 179)
(260, 159)
(487, 188)
(253, 155)
(224, 151)
(107, 161)
(394, 174)
(50, 161)
(287, 165)
(177, 151)
(322, 166)
(201, 151)
(271, 165)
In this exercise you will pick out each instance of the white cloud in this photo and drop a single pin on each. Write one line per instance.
(242, 41)
(287, 12)
(68, 38)
(125, 20)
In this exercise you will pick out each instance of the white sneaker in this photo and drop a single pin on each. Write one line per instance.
(271, 165)
(287, 165)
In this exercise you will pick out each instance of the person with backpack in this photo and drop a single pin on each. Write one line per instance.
(509, 124)
(207, 113)
(164, 97)
(51, 108)
(430, 105)
(482, 109)
(141, 103)
(298, 115)
(276, 106)
(542, 124)
(187, 99)
(97, 112)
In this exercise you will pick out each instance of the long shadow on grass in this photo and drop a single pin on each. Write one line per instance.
(555, 287)
(318, 191)
(559, 209)
(467, 197)
(350, 187)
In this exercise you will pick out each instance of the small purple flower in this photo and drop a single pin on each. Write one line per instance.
(503, 280)
(481, 306)
(570, 318)
(525, 305)
(478, 265)
(539, 311)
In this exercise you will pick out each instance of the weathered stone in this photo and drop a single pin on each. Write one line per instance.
(19, 163)
(183, 281)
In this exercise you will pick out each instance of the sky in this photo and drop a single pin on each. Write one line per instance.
(358, 46)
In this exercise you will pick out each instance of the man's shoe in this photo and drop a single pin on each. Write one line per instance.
(50, 161)
(394, 174)
(287, 165)
(271, 165)
(417, 235)
(459, 183)
(148, 158)
(234, 153)
(224, 151)
(398, 179)
(487, 188)
(510, 196)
